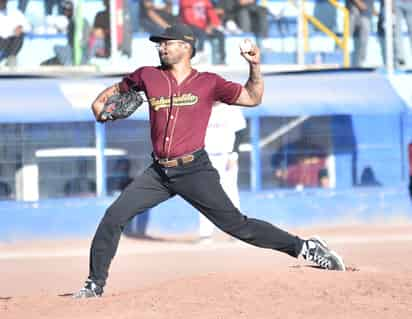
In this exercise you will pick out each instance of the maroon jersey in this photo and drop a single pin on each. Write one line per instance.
(179, 114)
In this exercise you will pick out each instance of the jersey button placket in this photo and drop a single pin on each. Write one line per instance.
(170, 127)
(168, 130)
(168, 137)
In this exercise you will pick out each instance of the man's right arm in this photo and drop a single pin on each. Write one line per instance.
(98, 104)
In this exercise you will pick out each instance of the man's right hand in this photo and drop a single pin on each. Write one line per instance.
(252, 54)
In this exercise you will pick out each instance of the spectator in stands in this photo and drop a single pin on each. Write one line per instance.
(252, 17)
(154, 19)
(368, 177)
(226, 10)
(323, 178)
(134, 7)
(299, 164)
(126, 36)
(13, 25)
(100, 37)
(403, 12)
(201, 16)
(65, 53)
(361, 12)
(305, 172)
(100, 42)
(397, 52)
(22, 5)
(49, 5)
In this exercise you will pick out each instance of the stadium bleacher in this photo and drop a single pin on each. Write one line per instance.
(278, 48)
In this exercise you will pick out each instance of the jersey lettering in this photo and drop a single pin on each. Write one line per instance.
(187, 99)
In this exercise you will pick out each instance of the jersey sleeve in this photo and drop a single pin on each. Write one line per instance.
(226, 91)
(133, 80)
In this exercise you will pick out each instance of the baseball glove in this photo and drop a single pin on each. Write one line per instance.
(120, 106)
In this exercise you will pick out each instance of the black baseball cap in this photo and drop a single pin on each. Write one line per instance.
(178, 31)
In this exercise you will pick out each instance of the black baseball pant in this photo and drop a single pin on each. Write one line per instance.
(198, 183)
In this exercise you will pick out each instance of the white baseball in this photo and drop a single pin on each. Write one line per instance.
(246, 45)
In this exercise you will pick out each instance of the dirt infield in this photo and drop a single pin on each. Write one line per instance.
(220, 280)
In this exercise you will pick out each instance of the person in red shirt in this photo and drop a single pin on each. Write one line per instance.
(305, 172)
(180, 100)
(202, 17)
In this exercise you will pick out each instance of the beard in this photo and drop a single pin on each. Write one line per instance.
(169, 59)
(165, 60)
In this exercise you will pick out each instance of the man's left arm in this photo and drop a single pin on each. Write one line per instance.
(252, 91)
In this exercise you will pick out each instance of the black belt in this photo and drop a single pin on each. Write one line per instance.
(176, 161)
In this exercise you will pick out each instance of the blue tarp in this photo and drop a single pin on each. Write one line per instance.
(310, 93)
(52, 99)
(330, 93)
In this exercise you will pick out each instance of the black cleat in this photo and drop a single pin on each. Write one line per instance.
(317, 251)
(90, 290)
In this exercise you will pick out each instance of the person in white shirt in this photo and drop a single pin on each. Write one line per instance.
(13, 25)
(224, 122)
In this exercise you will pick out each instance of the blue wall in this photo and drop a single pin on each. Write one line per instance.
(77, 218)
(344, 150)
(379, 146)
(374, 141)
